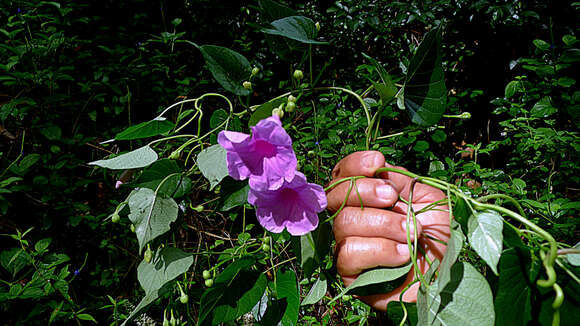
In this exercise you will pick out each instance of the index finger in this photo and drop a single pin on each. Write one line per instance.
(359, 163)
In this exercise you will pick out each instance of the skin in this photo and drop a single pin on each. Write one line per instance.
(375, 236)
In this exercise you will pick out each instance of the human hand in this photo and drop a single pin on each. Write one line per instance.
(376, 235)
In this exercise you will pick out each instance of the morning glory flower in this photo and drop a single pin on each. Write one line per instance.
(294, 206)
(266, 157)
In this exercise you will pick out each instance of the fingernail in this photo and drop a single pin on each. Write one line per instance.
(411, 227)
(385, 191)
(403, 249)
(371, 160)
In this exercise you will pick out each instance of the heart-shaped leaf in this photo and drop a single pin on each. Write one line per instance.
(424, 94)
(212, 164)
(151, 214)
(229, 68)
(298, 28)
(146, 129)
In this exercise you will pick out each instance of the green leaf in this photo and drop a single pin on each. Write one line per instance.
(375, 276)
(235, 292)
(86, 317)
(14, 260)
(229, 68)
(273, 10)
(387, 88)
(151, 214)
(287, 290)
(42, 244)
(217, 117)
(439, 136)
(317, 291)
(52, 132)
(298, 28)
(513, 303)
(212, 164)
(574, 259)
(424, 94)
(484, 231)
(541, 44)
(511, 88)
(466, 300)
(312, 247)
(154, 277)
(519, 185)
(454, 245)
(146, 129)
(176, 185)
(138, 158)
(233, 193)
(265, 110)
(543, 108)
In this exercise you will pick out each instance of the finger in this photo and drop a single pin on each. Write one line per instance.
(356, 254)
(373, 193)
(422, 193)
(372, 223)
(359, 163)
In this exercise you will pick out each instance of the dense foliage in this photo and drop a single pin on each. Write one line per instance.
(115, 202)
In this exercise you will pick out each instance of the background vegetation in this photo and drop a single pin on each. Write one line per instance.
(74, 74)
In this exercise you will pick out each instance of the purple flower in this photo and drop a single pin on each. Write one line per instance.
(293, 206)
(266, 157)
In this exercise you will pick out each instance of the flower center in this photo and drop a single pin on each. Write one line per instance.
(264, 148)
(289, 196)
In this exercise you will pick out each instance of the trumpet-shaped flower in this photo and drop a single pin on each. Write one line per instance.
(266, 157)
(293, 206)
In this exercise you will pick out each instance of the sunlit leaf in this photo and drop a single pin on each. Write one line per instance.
(151, 214)
(212, 164)
(484, 231)
(175, 184)
(317, 291)
(298, 28)
(138, 158)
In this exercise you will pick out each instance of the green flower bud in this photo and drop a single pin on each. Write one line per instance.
(174, 155)
(209, 283)
(317, 25)
(465, 115)
(255, 71)
(184, 298)
(206, 274)
(198, 208)
(278, 111)
(266, 239)
(173, 320)
(148, 254)
(132, 228)
(291, 98)
(247, 85)
(290, 107)
(265, 247)
(115, 218)
(298, 74)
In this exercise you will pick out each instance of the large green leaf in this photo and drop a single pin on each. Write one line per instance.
(212, 164)
(14, 260)
(139, 158)
(317, 291)
(424, 94)
(154, 277)
(298, 28)
(287, 290)
(466, 300)
(484, 231)
(513, 303)
(312, 247)
(176, 184)
(454, 245)
(229, 68)
(146, 129)
(151, 214)
(235, 292)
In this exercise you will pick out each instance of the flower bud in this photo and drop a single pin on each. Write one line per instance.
(148, 254)
(115, 218)
(291, 98)
(175, 155)
(247, 85)
(255, 71)
(132, 228)
(198, 208)
(278, 111)
(317, 25)
(209, 283)
(290, 107)
(184, 298)
(465, 115)
(298, 74)
(206, 274)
